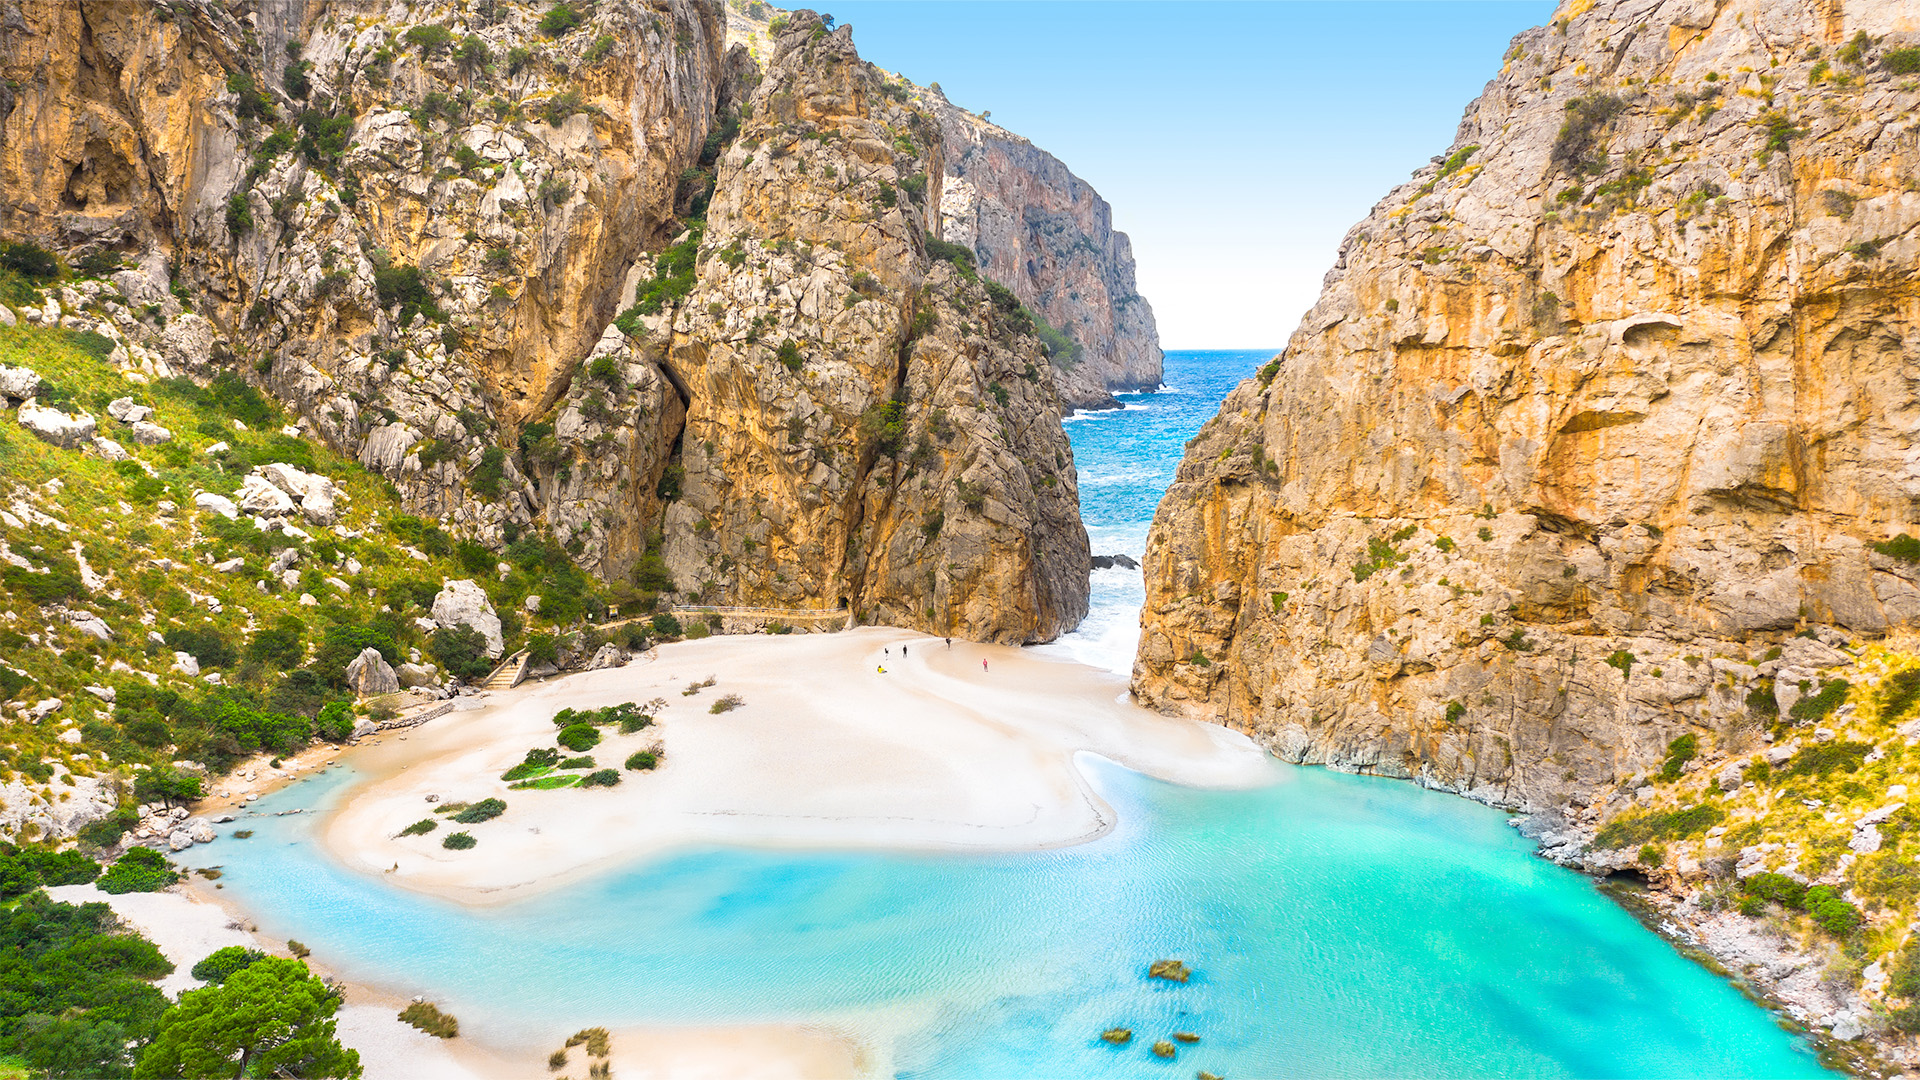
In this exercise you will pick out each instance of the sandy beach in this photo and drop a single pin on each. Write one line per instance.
(873, 738)
(842, 741)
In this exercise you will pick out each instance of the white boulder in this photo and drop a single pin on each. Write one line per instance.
(370, 675)
(54, 426)
(148, 433)
(127, 411)
(258, 496)
(219, 504)
(464, 603)
(18, 383)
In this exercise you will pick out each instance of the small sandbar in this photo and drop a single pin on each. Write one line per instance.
(935, 752)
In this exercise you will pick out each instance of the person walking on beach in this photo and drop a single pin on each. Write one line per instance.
(949, 643)
(903, 652)
(983, 663)
(879, 670)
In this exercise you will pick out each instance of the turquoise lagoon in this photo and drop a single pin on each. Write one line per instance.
(1339, 926)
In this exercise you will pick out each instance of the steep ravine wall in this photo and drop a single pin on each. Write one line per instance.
(1048, 235)
(1608, 399)
(420, 239)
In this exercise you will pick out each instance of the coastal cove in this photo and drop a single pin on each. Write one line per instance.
(1338, 925)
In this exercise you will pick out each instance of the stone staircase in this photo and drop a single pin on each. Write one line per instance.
(509, 674)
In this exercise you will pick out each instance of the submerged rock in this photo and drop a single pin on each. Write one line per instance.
(1171, 970)
(1118, 1036)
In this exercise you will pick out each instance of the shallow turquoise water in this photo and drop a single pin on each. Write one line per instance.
(1340, 926)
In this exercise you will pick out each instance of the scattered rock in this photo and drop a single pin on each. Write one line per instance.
(417, 675)
(109, 449)
(54, 426)
(148, 433)
(370, 675)
(609, 656)
(219, 504)
(185, 664)
(18, 383)
(464, 603)
(1164, 1049)
(1118, 1036)
(127, 411)
(1108, 562)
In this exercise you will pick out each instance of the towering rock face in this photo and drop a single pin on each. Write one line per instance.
(1600, 405)
(863, 425)
(413, 240)
(417, 225)
(1047, 235)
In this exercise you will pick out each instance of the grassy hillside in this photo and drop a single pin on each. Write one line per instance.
(271, 651)
(1815, 835)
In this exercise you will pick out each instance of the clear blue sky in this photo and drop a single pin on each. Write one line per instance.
(1237, 142)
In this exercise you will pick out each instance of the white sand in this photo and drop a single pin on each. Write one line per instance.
(827, 751)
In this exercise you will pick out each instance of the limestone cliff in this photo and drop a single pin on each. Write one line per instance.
(1605, 401)
(416, 226)
(864, 426)
(1048, 235)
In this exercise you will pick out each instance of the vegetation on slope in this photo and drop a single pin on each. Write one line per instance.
(269, 618)
(1816, 835)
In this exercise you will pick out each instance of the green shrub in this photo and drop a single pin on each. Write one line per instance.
(1815, 707)
(462, 651)
(958, 254)
(166, 784)
(671, 478)
(1835, 915)
(1898, 693)
(1902, 547)
(1826, 759)
(643, 760)
(1630, 829)
(490, 473)
(1580, 146)
(459, 841)
(484, 810)
(584, 761)
(1622, 661)
(579, 737)
(602, 778)
(1679, 752)
(25, 869)
(560, 19)
(405, 285)
(220, 964)
(431, 39)
(1778, 888)
(1901, 61)
(420, 828)
(725, 703)
(667, 626)
(538, 760)
(29, 260)
(428, 1018)
(139, 870)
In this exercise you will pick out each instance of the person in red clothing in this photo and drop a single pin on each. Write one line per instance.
(983, 663)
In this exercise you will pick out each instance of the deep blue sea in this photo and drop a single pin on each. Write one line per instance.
(1339, 926)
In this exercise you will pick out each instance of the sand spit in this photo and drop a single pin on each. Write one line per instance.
(842, 742)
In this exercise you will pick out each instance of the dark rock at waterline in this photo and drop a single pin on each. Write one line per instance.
(1108, 562)
(1171, 970)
